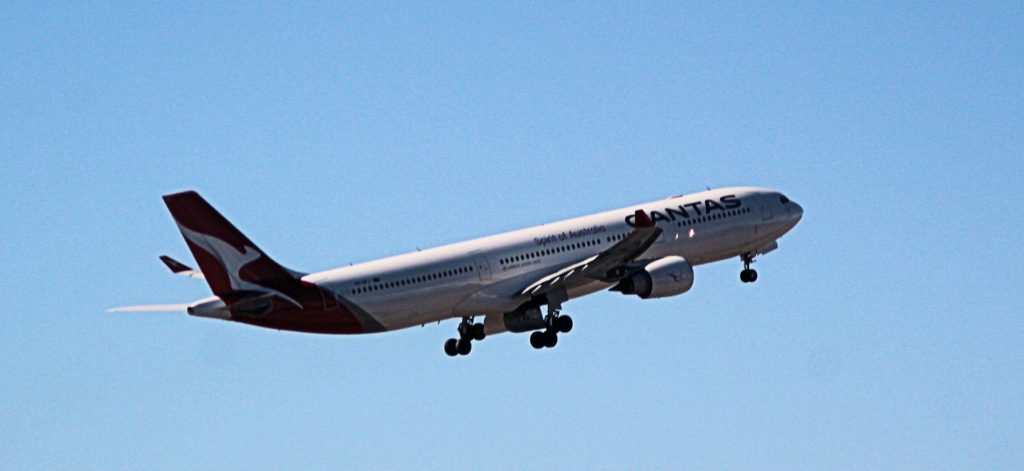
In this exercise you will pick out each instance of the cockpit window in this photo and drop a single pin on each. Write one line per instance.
(783, 199)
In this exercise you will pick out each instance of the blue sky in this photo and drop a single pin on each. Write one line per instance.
(885, 333)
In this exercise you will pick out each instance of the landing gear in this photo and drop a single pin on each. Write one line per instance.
(563, 324)
(457, 347)
(541, 339)
(748, 275)
(549, 338)
(468, 332)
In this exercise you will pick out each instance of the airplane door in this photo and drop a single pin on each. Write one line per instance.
(766, 212)
(766, 208)
(483, 269)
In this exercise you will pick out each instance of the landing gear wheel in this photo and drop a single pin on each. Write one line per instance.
(550, 338)
(537, 340)
(748, 275)
(464, 346)
(478, 332)
(451, 347)
(563, 324)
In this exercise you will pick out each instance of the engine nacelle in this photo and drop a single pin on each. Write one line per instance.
(212, 307)
(524, 319)
(666, 276)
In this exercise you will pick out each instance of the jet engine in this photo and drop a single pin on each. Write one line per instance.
(523, 319)
(666, 276)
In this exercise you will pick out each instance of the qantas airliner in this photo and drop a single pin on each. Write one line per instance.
(646, 250)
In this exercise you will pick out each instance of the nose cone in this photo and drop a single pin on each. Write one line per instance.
(796, 212)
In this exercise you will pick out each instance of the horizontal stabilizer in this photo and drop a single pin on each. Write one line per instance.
(151, 308)
(179, 268)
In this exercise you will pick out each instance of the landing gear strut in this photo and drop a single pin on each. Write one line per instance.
(555, 323)
(748, 275)
(468, 331)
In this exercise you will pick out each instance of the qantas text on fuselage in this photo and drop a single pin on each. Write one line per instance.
(516, 281)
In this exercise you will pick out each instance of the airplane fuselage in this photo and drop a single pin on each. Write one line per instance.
(484, 276)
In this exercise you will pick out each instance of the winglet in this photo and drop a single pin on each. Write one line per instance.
(642, 219)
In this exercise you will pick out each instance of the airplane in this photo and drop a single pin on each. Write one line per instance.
(646, 250)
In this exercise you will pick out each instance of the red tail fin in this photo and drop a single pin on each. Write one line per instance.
(233, 265)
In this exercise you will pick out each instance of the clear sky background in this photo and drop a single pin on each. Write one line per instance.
(885, 333)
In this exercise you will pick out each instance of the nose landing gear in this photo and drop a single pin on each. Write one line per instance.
(748, 275)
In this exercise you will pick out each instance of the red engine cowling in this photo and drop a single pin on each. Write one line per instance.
(666, 276)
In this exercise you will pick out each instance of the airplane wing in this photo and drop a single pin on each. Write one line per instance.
(179, 268)
(606, 266)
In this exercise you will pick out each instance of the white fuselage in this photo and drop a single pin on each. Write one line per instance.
(486, 275)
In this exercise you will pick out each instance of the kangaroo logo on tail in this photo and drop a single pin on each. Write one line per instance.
(231, 263)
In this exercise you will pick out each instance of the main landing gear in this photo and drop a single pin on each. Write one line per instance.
(748, 275)
(555, 323)
(468, 331)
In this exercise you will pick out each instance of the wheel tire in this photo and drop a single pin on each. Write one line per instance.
(753, 276)
(550, 338)
(464, 346)
(451, 347)
(537, 340)
(564, 324)
(478, 332)
(745, 276)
